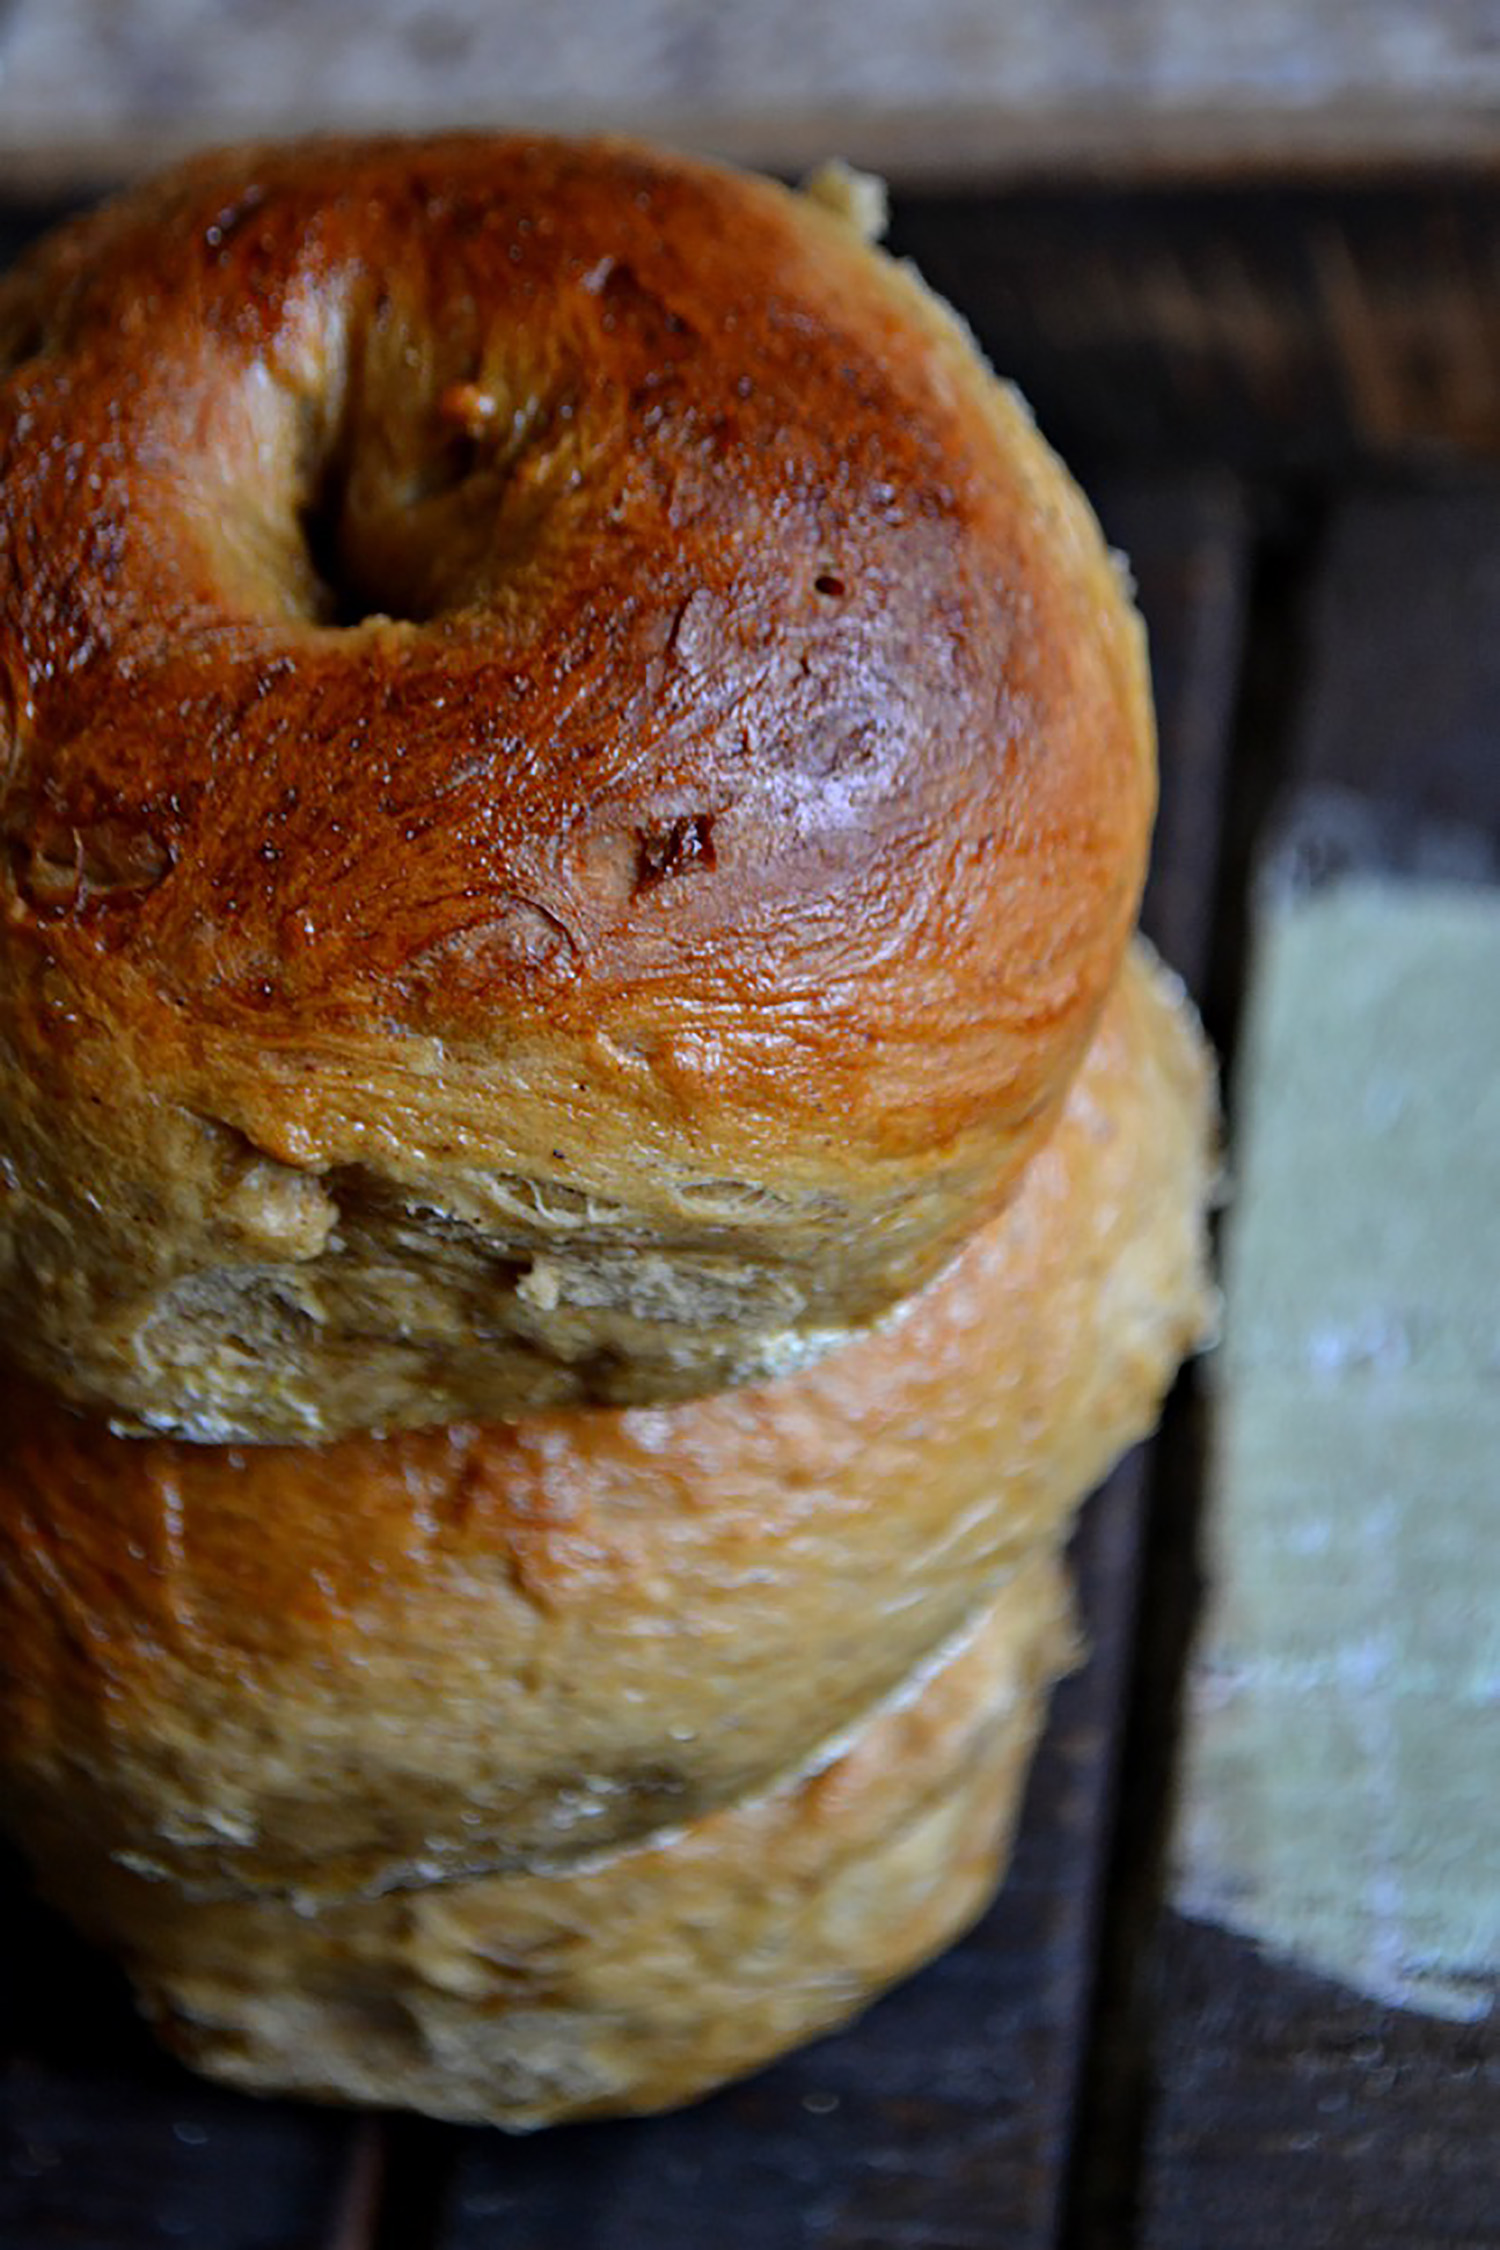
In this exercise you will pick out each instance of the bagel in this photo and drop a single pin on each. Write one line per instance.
(630, 1980)
(573, 777)
(340, 1670)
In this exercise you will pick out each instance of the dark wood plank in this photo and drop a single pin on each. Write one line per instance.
(1291, 328)
(106, 2144)
(1294, 2111)
(1287, 2108)
(1188, 542)
(1203, 684)
(1404, 685)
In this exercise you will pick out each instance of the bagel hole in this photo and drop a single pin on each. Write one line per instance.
(458, 459)
(368, 564)
(340, 599)
(404, 504)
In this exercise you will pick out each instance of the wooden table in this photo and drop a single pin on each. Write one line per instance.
(1285, 398)
(923, 90)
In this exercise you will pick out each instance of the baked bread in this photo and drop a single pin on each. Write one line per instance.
(631, 1980)
(573, 776)
(335, 1670)
(587, 1173)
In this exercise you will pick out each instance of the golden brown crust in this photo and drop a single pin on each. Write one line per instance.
(647, 951)
(633, 1981)
(341, 1668)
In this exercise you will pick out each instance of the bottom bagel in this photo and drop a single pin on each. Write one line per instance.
(642, 1978)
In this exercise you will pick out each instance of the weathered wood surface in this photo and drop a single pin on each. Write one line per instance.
(945, 90)
(106, 2144)
(1402, 698)
(1293, 2111)
(1285, 328)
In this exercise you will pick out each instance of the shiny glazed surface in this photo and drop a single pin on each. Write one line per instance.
(573, 777)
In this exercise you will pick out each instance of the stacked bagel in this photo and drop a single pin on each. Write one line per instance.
(589, 1167)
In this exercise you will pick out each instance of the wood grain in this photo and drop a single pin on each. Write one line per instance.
(1294, 2111)
(1189, 540)
(1286, 329)
(948, 90)
(1403, 686)
(106, 2144)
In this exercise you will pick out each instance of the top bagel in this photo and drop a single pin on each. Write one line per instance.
(574, 777)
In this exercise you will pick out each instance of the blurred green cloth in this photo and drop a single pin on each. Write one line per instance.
(1341, 1787)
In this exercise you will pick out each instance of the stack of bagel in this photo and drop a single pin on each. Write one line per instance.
(589, 1164)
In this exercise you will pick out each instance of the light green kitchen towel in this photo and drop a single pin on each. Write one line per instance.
(1340, 1789)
